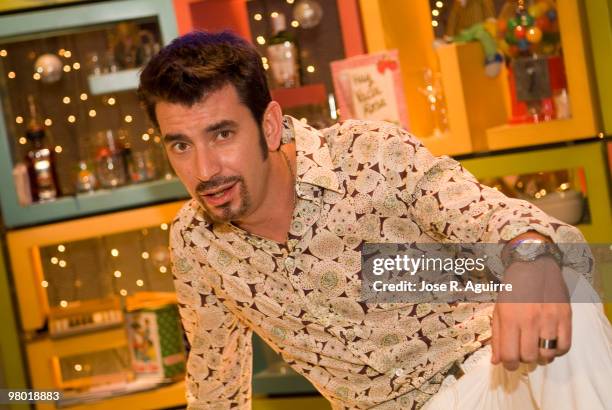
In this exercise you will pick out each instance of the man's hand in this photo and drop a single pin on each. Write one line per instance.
(536, 308)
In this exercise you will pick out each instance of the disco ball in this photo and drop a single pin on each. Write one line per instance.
(49, 66)
(308, 13)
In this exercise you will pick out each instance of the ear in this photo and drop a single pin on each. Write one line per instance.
(273, 126)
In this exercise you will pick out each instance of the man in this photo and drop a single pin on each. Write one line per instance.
(270, 243)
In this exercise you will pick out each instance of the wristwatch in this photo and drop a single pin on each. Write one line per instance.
(528, 250)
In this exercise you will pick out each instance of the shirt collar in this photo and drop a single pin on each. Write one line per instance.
(313, 156)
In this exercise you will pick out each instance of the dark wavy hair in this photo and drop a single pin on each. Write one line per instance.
(199, 63)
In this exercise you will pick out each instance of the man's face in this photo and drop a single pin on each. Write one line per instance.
(214, 147)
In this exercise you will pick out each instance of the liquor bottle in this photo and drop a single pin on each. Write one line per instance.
(40, 159)
(283, 55)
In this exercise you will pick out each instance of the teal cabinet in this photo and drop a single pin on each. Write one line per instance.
(72, 122)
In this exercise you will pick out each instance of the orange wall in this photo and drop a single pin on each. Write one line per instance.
(213, 15)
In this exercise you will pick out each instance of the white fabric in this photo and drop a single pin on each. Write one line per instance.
(581, 379)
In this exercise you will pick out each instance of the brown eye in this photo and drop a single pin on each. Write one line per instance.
(223, 135)
(179, 147)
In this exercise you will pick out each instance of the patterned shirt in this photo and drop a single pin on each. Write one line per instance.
(357, 182)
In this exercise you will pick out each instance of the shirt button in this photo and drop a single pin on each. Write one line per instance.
(399, 372)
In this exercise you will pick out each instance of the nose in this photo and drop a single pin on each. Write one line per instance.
(207, 164)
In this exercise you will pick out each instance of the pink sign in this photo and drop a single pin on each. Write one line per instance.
(369, 87)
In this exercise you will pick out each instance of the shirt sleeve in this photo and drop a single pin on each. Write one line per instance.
(219, 364)
(450, 205)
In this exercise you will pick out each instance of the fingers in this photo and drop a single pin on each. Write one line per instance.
(518, 327)
(544, 313)
(529, 341)
(509, 345)
(549, 325)
(495, 339)
(564, 330)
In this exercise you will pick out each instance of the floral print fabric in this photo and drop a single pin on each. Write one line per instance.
(357, 182)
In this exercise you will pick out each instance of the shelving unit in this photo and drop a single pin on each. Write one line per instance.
(73, 17)
(588, 156)
(583, 123)
(475, 103)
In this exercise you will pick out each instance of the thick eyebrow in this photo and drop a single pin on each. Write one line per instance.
(221, 125)
(169, 138)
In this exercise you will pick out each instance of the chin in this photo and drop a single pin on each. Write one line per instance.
(220, 214)
(234, 209)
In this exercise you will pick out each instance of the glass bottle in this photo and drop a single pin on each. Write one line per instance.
(86, 180)
(141, 166)
(21, 179)
(283, 55)
(110, 160)
(40, 159)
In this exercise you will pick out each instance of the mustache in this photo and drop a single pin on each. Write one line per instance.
(216, 182)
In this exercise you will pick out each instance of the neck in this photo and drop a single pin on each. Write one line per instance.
(273, 217)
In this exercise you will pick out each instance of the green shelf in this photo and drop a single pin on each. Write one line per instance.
(97, 202)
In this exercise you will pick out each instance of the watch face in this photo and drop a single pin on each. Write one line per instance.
(529, 249)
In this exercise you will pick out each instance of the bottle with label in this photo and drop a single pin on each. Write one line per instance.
(40, 159)
(283, 55)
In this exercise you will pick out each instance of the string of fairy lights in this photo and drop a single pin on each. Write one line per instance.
(436, 12)
(61, 260)
(67, 100)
